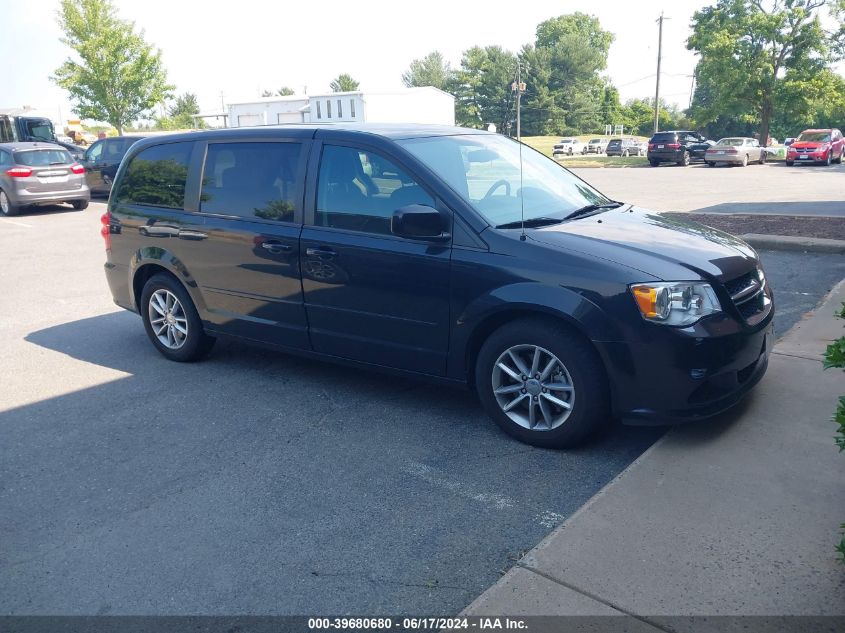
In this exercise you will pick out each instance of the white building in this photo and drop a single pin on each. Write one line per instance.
(408, 105)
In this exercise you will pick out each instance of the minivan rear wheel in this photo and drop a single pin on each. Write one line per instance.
(541, 383)
(6, 206)
(79, 205)
(171, 320)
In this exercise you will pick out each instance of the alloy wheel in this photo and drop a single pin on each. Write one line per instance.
(533, 387)
(4, 203)
(168, 319)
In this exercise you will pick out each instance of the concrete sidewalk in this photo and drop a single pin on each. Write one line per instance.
(735, 516)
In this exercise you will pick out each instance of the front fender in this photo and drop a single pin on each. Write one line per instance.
(519, 299)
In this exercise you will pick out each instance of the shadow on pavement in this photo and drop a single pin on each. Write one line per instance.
(832, 208)
(256, 482)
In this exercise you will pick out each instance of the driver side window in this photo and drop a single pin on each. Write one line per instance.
(359, 190)
(94, 152)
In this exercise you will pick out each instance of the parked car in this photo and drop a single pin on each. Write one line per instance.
(677, 146)
(102, 159)
(816, 146)
(568, 147)
(735, 151)
(34, 128)
(623, 147)
(461, 263)
(39, 173)
(596, 146)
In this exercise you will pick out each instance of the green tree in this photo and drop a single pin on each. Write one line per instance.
(431, 70)
(574, 49)
(284, 91)
(116, 76)
(344, 83)
(759, 57)
(266, 93)
(182, 114)
(482, 88)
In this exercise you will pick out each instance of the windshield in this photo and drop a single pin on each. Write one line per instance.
(40, 129)
(730, 141)
(484, 170)
(816, 137)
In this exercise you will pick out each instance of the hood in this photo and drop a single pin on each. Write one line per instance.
(809, 144)
(667, 248)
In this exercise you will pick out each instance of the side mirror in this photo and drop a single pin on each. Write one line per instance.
(419, 222)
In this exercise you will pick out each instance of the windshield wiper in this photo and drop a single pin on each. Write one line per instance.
(529, 223)
(590, 208)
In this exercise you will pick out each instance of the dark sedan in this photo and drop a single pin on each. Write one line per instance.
(102, 159)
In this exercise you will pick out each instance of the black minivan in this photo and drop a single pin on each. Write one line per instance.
(440, 252)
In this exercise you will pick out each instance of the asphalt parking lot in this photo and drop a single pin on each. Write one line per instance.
(770, 188)
(255, 482)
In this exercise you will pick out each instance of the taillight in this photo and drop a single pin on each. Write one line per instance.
(105, 230)
(673, 145)
(19, 172)
(651, 145)
(76, 168)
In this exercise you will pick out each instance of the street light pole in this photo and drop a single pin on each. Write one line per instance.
(657, 87)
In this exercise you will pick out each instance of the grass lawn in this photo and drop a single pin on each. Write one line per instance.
(546, 144)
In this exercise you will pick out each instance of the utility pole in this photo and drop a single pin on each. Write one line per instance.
(518, 87)
(657, 87)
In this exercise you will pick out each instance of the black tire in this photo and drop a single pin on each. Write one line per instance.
(838, 161)
(79, 205)
(11, 208)
(790, 163)
(709, 164)
(684, 162)
(654, 163)
(744, 162)
(591, 407)
(829, 158)
(197, 343)
(762, 160)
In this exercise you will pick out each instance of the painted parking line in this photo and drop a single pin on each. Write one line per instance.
(29, 226)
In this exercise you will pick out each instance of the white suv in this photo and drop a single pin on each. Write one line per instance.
(568, 147)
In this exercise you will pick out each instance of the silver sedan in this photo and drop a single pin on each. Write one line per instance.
(735, 150)
(33, 174)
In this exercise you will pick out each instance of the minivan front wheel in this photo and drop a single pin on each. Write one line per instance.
(541, 383)
(171, 320)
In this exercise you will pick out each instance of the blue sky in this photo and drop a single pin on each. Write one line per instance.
(241, 48)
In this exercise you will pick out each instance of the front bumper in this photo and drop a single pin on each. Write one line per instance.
(676, 375)
(807, 157)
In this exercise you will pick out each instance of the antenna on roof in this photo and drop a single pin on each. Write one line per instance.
(518, 87)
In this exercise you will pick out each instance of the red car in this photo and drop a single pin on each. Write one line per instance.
(816, 146)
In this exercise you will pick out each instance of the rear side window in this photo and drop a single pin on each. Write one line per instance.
(42, 157)
(157, 176)
(7, 135)
(251, 180)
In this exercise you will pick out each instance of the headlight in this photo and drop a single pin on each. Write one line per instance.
(675, 303)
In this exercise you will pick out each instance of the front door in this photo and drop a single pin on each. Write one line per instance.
(245, 255)
(93, 163)
(372, 296)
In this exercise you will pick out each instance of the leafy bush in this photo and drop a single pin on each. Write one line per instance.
(835, 357)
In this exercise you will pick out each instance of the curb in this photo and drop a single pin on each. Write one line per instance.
(795, 243)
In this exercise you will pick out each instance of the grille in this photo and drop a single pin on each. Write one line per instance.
(747, 293)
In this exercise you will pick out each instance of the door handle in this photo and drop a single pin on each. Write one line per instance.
(274, 246)
(326, 253)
